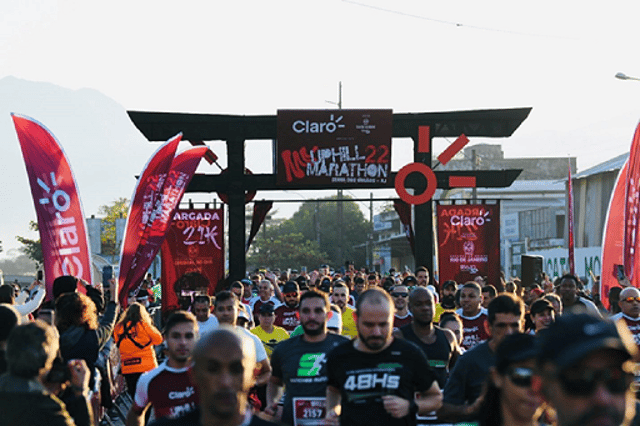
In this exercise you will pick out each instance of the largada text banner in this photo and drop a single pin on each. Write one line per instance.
(333, 147)
(469, 242)
(192, 257)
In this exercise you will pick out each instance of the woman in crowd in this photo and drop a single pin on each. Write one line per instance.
(510, 399)
(135, 335)
(82, 336)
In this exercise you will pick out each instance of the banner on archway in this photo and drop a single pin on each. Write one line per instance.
(469, 242)
(192, 257)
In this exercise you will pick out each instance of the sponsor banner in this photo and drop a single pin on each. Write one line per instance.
(613, 238)
(182, 169)
(63, 234)
(192, 257)
(631, 207)
(333, 147)
(469, 242)
(145, 205)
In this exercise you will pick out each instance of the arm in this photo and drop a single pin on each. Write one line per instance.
(135, 416)
(32, 305)
(455, 407)
(78, 405)
(334, 400)
(264, 372)
(108, 320)
(274, 393)
(430, 400)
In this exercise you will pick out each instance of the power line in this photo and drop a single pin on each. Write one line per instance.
(453, 23)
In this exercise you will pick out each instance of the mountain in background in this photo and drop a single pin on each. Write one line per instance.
(103, 146)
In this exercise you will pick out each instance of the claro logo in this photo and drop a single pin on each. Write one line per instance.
(306, 126)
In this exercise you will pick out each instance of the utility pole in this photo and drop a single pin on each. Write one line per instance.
(339, 211)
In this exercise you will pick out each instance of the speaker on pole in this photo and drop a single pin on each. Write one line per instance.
(531, 269)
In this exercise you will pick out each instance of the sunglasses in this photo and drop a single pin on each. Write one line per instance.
(400, 294)
(584, 383)
(631, 299)
(294, 294)
(520, 376)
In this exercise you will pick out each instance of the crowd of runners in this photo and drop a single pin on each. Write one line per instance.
(348, 348)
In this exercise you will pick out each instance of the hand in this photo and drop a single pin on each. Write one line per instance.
(80, 375)
(113, 289)
(394, 405)
(625, 282)
(332, 419)
(271, 409)
(34, 285)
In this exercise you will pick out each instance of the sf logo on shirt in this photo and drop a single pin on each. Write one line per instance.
(311, 364)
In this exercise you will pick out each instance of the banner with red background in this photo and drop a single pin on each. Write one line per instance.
(613, 238)
(469, 242)
(65, 246)
(145, 204)
(192, 257)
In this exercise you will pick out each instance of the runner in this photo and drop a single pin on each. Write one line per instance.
(473, 315)
(299, 364)
(373, 379)
(168, 388)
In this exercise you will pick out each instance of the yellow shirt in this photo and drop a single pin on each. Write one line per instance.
(349, 324)
(439, 311)
(270, 340)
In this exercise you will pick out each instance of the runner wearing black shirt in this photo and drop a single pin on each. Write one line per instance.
(373, 379)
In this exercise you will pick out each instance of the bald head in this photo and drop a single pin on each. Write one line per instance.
(419, 293)
(225, 360)
(224, 338)
(630, 302)
(629, 292)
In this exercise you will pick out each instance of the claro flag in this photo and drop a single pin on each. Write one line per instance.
(63, 234)
(154, 205)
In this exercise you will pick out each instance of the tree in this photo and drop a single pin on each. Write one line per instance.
(32, 248)
(284, 251)
(116, 210)
(316, 220)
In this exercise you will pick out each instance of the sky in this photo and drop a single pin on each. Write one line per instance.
(255, 57)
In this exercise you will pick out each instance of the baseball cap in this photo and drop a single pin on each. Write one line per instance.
(537, 291)
(267, 308)
(450, 283)
(515, 348)
(540, 305)
(290, 287)
(246, 281)
(409, 281)
(572, 337)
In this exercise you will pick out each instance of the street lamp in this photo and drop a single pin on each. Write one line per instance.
(623, 76)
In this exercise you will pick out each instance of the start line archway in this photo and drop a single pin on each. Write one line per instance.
(420, 127)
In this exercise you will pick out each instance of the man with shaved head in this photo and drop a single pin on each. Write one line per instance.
(373, 379)
(438, 344)
(223, 372)
(630, 311)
